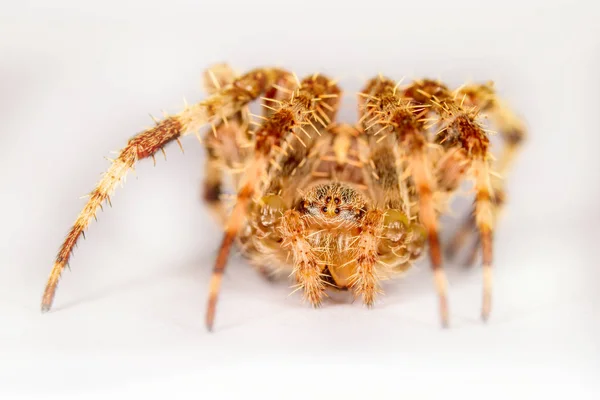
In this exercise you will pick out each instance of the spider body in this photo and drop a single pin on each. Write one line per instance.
(332, 204)
(331, 207)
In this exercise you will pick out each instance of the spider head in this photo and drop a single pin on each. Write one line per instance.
(333, 203)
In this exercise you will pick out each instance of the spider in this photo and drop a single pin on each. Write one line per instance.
(331, 204)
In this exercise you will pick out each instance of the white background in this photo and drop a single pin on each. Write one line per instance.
(77, 79)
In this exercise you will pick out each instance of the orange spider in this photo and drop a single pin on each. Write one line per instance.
(332, 204)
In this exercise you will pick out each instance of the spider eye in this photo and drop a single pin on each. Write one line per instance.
(324, 209)
(337, 210)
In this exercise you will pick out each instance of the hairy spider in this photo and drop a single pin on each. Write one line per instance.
(332, 204)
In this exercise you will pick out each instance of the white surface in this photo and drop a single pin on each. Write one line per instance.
(78, 79)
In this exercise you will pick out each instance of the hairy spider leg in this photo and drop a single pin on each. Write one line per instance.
(513, 133)
(276, 132)
(221, 105)
(395, 116)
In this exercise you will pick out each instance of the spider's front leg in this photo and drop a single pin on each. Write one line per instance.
(388, 243)
(221, 105)
(307, 266)
(364, 281)
(305, 108)
(400, 151)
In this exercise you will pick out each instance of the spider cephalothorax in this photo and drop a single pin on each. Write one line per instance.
(332, 204)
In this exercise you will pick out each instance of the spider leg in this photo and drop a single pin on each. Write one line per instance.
(272, 139)
(511, 127)
(484, 219)
(475, 162)
(397, 121)
(212, 188)
(217, 107)
(307, 268)
(512, 131)
(467, 235)
(364, 281)
(226, 146)
(463, 137)
(261, 240)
